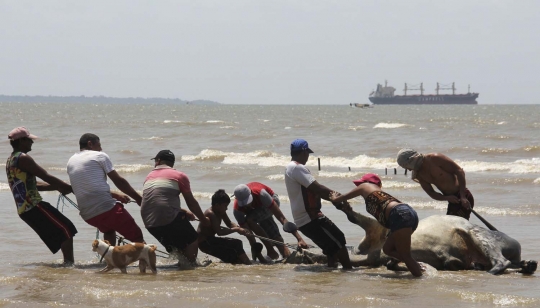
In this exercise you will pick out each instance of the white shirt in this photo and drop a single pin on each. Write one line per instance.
(87, 172)
(297, 179)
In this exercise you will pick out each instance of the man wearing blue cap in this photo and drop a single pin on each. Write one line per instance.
(305, 195)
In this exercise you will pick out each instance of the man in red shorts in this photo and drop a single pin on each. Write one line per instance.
(53, 228)
(88, 171)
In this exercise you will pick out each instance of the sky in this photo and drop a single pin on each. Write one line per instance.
(269, 51)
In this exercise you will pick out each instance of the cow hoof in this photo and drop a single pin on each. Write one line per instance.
(528, 266)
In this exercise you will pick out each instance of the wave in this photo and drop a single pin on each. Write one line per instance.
(215, 121)
(132, 168)
(263, 158)
(390, 125)
(537, 181)
(4, 186)
(519, 166)
(355, 128)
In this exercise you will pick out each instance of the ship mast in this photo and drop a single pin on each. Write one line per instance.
(447, 87)
(415, 88)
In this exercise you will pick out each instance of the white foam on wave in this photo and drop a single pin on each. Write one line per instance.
(519, 166)
(358, 162)
(390, 125)
(4, 186)
(355, 128)
(152, 138)
(57, 168)
(214, 121)
(276, 177)
(227, 127)
(537, 181)
(132, 168)
(502, 123)
(171, 121)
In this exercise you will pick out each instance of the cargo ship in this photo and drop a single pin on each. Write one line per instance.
(384, 95)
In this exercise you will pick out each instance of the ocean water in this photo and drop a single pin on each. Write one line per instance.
(226, 145)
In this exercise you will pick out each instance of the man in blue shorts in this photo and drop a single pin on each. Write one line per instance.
(54, 229)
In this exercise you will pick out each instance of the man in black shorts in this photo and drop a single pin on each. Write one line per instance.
(227, 249)
(160, 207)
(53, 228)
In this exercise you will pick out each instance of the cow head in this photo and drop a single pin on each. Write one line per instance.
(375, 233)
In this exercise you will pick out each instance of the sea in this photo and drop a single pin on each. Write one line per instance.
(221, 146)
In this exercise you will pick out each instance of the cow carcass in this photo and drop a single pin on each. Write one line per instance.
(444, 242)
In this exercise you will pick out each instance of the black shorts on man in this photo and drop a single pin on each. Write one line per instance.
(177, 235)
(52, 226)
(224, 248)
(325, 234)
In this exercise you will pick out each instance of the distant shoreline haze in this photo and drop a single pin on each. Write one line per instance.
(98, 99)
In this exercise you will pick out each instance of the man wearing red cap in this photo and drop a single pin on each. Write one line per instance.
(53, 228)
(305, 195)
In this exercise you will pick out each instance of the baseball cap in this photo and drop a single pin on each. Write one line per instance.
(368, 178)
(165, 155)
(20, 132)
(300, 145)
(243, 196)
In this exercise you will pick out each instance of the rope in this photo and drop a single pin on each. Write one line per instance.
(121, 239)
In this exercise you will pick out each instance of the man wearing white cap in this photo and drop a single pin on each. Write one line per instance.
(53, 228)
(254, 208)
(445, 174)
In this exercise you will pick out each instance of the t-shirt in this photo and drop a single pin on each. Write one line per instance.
(23, 185)
(87, 172)
(161, 195)
(262, 198)
(305, 205)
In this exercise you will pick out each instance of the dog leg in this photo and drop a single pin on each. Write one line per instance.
(106, 269)
(142, 265)
(123, 269)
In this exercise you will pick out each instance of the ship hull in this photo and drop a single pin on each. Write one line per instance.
(459, 99)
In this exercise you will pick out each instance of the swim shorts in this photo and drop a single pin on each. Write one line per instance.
(457, 210)
(264, 218)
(177, 235)
(52, 226)
(325, 234)
(224, 248)
(117, 219)
(402, 216)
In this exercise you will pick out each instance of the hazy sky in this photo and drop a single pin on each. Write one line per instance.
(269, 52)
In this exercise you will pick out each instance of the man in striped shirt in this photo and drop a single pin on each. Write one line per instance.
(161, 212)
(88, 171)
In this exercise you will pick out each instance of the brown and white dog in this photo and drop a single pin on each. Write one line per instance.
(122, 256)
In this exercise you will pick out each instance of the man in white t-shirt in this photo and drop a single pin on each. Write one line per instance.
(305, 195)
(88, 171)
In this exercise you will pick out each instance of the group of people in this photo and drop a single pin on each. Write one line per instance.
(254, 208)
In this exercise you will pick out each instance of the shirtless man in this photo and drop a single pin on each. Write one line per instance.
(439, 170)
(227, 249)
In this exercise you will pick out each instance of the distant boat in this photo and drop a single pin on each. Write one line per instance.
(385, 96)
(358, 105)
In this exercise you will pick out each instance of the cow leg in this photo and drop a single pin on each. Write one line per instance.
(454, 264)
(528, 266)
